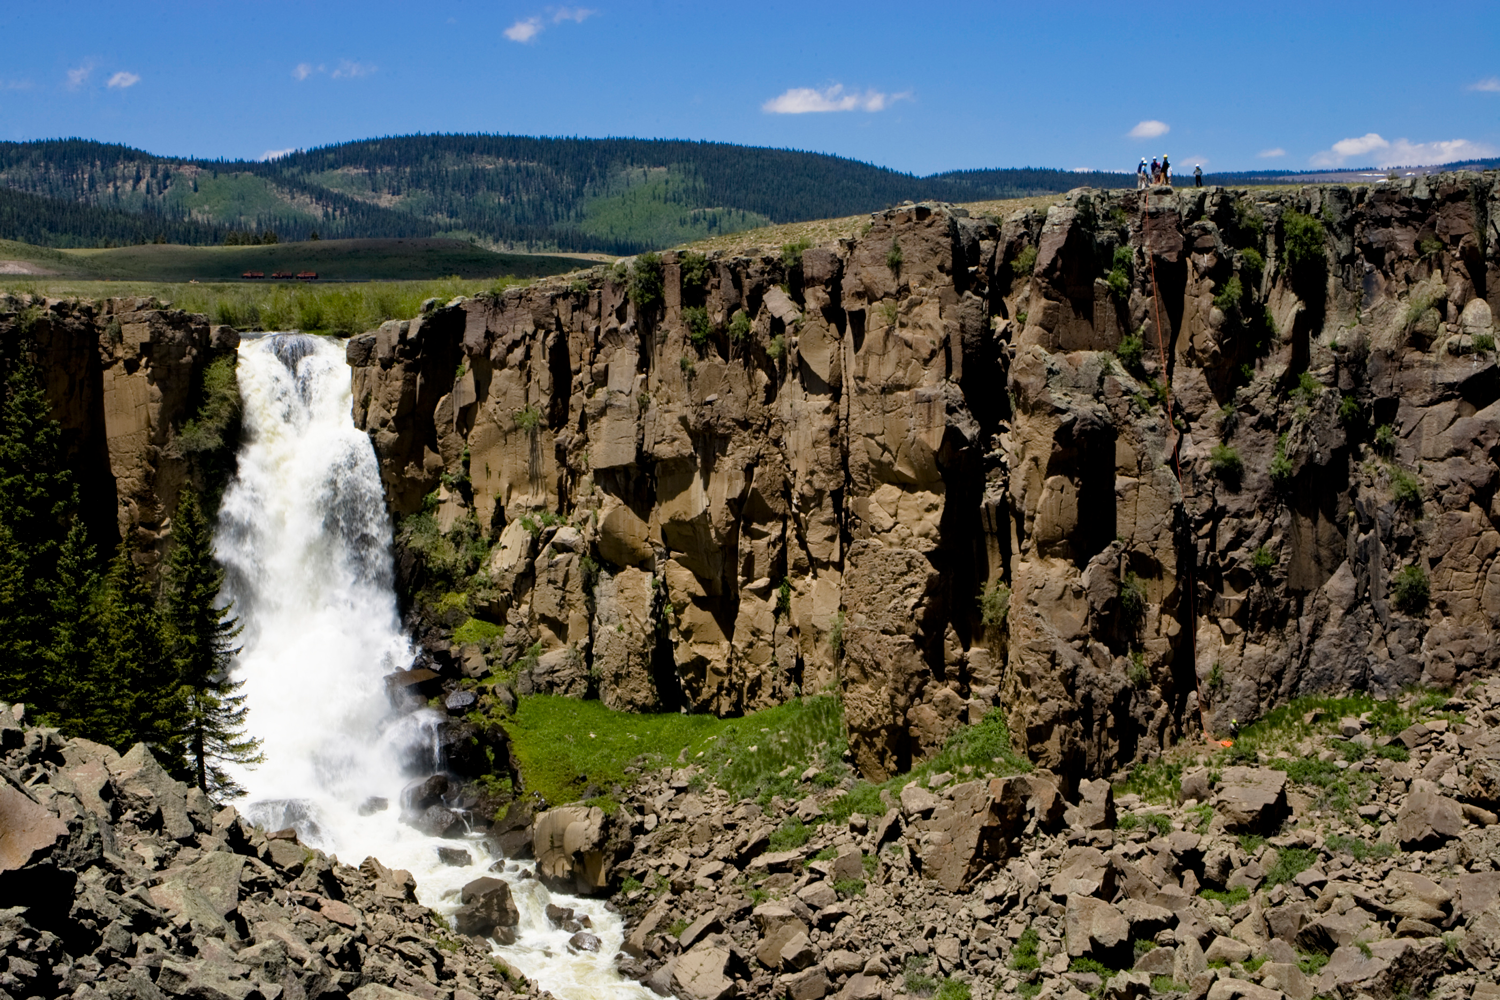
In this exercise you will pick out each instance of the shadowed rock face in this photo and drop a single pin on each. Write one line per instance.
(123, 376)
(945, 418)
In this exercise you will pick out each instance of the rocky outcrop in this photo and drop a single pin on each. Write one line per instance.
(118, 881)
(123, 376)
(1217, 448)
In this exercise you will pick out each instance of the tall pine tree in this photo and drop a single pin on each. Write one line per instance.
(149, 704)
(76, 696)
(203, 634)
(37, 497)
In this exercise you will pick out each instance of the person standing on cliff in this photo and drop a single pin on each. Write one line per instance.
(1166, 171)
(1198, 175)
(1140, 174)
(1155, 172)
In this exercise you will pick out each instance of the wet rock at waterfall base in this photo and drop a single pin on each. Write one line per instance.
(460, 702)
(487, 910)
(373, 805)
(583, 941)
(424, 792)
(457, 857)
(439, 821)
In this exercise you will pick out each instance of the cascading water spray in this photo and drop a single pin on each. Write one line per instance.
(304, 535)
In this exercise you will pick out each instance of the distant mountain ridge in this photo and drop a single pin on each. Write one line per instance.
(613, 195)
(515, 192)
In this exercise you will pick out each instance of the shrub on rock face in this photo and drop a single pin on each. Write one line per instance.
(1409, 590)
(1132, 602)
(1226, 464)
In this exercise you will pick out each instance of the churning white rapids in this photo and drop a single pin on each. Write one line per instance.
(304, 535)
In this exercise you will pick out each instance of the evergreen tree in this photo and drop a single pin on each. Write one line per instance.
(203, 633)
(150, 703)
(37, 496)
(74, 696)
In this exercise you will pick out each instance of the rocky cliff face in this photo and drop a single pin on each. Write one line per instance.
(123, 377)
(1199, 435)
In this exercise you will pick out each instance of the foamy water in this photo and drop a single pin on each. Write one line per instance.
(304, 534)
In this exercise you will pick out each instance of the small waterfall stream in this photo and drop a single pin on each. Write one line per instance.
(304, 535)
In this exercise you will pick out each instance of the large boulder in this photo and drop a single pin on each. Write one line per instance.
(1096, 929)
(26, 828)
(572, 847)
(699, 974)
(1427, 818)
(983, 826)
(487, 910)
(1252, 799)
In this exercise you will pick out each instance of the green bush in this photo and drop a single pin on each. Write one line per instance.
(776, 348)
(1254, 262)
(1262, 562)
(847, 888)
(686, 364)
(1139, 674)
(836, 636)
(784, 599)
(1024, 262)
(791, 253)
(952, 989)
(792, 833)
(1305, 240)
(1351, 414)
(1290, 862)
(1233, 897)
(1130, 351)
(893, 257)
(694, 271)
(1247, 216)
(1385, 440)
(1226, 464)
(1119, 282)
(914, 976)
(696, 319)
(1410, 591)
(1429, 245)
(1281, 465)
(528, 418)
(1406, 488)
(1023, 957)
(1308, 387)
(219, 411)
(475, 630)
(994, 605)
(1483, 342)
(1228, 299)
(646, 282)
(1132, 602)
(739, 326)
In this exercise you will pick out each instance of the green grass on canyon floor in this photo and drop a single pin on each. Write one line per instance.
(1283, 738)
(565, 745)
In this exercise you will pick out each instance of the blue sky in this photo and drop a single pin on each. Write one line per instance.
(913, 87)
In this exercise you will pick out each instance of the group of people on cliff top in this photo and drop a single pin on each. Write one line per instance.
(1160, 172)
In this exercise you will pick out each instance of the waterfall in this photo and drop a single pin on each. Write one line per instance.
(305, 539)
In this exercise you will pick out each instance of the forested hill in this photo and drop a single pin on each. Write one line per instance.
(615, 195)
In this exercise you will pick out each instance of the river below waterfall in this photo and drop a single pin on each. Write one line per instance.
(305, 537)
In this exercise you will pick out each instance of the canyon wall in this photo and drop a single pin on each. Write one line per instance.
(1197, 434)
(123, 376)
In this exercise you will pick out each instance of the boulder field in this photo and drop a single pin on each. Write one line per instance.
(1131, 467)
(1375, 874)
(119, 883)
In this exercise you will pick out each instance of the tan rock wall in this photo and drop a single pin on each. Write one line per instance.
(948, 414)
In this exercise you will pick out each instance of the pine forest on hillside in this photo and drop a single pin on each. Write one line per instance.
(516, 192)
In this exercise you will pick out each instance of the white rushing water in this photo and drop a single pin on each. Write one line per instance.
(304, 535)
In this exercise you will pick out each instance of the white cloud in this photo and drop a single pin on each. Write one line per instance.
(15, 85)
(122, 79)
(349, 70)
(276, 154)
(78, 77)
(1149, 129)
(528, 28)
(803, 100)
(305, 70)
(1402, 152)
(1489, 85)
(1271, 154)
(524, 31)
